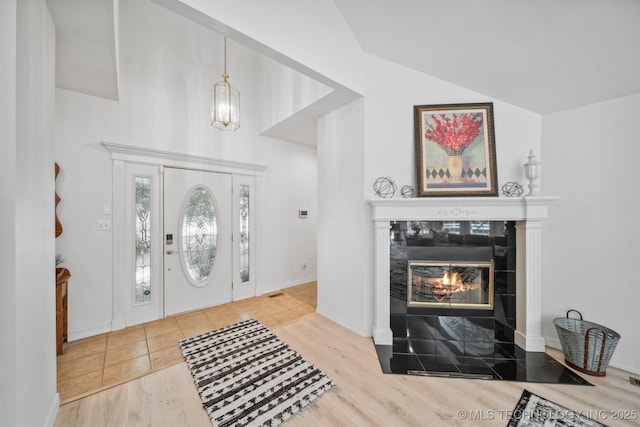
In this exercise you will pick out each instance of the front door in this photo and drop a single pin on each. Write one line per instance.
(197, 240)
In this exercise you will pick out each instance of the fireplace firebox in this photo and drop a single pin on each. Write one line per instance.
(465, 285)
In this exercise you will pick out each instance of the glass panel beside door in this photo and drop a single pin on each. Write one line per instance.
(140, 271)
(143, 240)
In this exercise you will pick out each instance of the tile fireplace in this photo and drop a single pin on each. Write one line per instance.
(453, 291)
(526, 213)
(457, 285)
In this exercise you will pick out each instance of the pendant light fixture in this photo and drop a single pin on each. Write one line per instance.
(225, 109)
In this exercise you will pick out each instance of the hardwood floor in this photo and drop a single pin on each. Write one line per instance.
(364, 395)
(368, 397)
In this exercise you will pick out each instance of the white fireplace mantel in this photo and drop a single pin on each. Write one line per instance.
(528, 212)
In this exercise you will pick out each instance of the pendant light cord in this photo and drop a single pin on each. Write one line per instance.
(225, 56)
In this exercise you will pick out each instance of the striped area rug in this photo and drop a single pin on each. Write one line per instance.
(246, 375)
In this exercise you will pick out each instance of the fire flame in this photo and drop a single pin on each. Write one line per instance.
(451, 281)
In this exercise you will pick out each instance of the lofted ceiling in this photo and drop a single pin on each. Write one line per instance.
(542, 55)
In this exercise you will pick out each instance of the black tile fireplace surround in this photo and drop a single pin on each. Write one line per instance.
(461, 342)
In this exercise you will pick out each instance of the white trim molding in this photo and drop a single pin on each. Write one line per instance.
(528, 212)
(119, 239)
(180, 160)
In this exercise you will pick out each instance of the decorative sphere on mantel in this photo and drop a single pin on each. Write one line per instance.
(512, 189)
(407, 191)
(384, 187)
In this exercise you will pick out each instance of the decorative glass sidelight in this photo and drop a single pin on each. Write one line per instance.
(244, 233)
(143, 240)
(199, 234)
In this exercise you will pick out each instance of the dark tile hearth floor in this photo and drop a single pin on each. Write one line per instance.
(502, 363)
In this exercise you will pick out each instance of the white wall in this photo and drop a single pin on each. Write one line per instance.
(286, 240)
(591, 244)
(344, 221)
(374, 137)
(285, 92)
(167, 68)
(35, 250)
(8, 217)
(383, 123)
(324, 45)
(389, 124)
(27, 359)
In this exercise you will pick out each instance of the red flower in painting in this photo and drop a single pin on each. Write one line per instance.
(453, 132)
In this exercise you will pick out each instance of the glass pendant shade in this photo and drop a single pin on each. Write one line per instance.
(225, 108)
(225, 111)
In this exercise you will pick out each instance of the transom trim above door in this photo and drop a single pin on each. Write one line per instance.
(131, 153)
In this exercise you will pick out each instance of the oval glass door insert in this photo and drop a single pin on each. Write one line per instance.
(199, 235)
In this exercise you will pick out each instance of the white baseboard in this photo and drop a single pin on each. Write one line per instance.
(85, 333)
(383, 336)
(553, 343)
(118, 323)
(53, 410)
(298, 282)
(625, 365)
(528, 343)
(358, 329)
(261, 290)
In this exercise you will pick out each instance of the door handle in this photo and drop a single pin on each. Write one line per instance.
(169, 252)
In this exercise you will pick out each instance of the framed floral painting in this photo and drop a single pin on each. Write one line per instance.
(455, 150)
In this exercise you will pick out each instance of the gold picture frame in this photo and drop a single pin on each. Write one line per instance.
(455, 150)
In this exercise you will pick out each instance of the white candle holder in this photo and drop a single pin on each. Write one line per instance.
(532, 173)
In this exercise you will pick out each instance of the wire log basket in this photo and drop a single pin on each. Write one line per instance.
(587, 346)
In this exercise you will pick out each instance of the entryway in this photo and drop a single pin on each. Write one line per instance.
(184, 233)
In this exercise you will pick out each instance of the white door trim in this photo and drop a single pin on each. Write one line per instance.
(180, 160)
(122, 154)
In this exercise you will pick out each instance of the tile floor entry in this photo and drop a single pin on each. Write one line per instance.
(97, 363)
